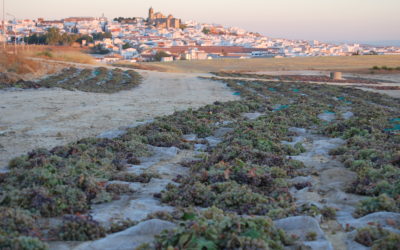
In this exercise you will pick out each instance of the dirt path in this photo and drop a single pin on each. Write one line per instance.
(50, 117)
(329, 183)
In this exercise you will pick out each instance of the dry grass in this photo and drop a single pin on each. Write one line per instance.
(73, 56)
(59, 53)
(21, 61)
(352, 63)
(15, 60)
(141, 66)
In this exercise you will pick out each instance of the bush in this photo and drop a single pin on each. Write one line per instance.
(80, 228)
(378, 238)
(390, 242)
(131, 177)
(118, 188)
(46, 53)
(67, 179)
(121, 225)
(375, 204)
(16, 221)
(311, 236)
(214, 229)
(21, 243)
(328, 213)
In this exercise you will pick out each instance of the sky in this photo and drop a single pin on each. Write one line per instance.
(325, 20)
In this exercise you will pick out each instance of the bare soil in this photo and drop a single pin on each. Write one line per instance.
(49, 117)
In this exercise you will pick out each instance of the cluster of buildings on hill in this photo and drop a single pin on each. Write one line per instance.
(162, 22)
(141, 39)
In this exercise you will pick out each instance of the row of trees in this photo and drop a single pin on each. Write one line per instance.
(125, 19)
(55, 37)
(101, 35)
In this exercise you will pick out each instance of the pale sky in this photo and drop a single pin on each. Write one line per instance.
(326, 20)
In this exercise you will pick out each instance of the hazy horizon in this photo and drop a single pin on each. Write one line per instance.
(330, 20)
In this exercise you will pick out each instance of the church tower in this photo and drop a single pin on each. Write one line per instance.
(151, 14)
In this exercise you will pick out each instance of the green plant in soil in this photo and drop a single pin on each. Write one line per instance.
(294, 78)
(311, 236)
(131, 177)
(21, 243)
(18, 230)
(372, 151)
(16, 221)
(67, 179)
(374, 204)
(98, 80)
(118, 188)
(121, 225)
(378, 238)
(258, 143)
(373, 145)
(328, 213)
(214, 229)
(244, 174)
(174, 216)
(245, 189)
(80, 228)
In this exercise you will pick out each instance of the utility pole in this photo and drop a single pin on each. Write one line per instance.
(4, 23)
(15, 32)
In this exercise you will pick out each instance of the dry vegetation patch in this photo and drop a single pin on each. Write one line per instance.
(97, 80)
(16, 61)
(350, 63)
(59, 53)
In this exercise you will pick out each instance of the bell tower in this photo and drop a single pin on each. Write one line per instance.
(151, 14)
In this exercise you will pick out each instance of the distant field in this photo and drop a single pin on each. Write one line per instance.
(22, 61)
(60, 53)
(352, 63)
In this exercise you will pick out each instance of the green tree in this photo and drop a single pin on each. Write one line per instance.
(100, 36)
(88, 39)
(98, 49)
(35, 39)
(68, 39)
(160, 54)
(127, 46)
(53, 36)
(125, 19)
(206, 31)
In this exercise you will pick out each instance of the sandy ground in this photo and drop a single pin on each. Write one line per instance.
(49, 117)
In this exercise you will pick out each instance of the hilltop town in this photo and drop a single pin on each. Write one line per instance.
(139, 39)
(167, 38)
